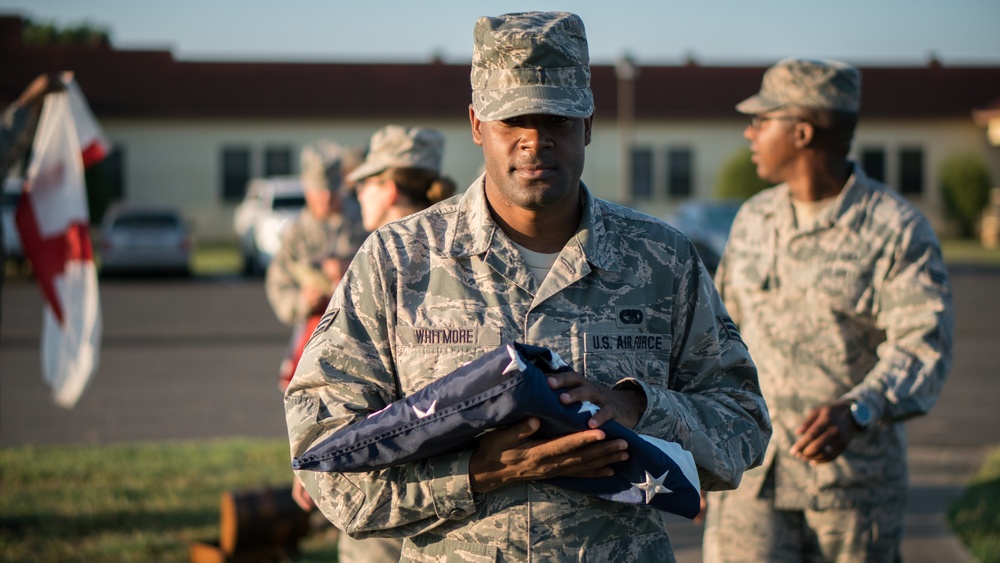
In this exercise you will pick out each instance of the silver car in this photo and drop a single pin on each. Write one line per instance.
(145, 239)
(707, 224)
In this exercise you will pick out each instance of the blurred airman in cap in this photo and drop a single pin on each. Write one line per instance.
(837, 284)
(527, 254)
(316, 246)
(401, 174)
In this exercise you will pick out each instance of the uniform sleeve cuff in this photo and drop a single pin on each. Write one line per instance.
(630, 384)
(450, 486)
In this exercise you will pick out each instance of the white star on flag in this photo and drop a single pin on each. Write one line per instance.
(428, 412)
(653, 486)
(587, 406)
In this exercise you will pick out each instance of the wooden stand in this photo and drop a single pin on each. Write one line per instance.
(256, 526)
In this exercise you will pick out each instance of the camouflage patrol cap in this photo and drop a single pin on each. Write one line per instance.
(533, 62)
(809, 83)
(321, 163)
(394, 146)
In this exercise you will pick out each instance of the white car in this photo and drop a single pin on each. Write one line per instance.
(269, 205)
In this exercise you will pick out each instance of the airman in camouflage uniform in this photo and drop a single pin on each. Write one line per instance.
(296, 283)
(528, 254)
(839, 289)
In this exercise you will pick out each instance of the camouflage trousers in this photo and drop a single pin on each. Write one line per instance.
(743, 528)
(371, 550)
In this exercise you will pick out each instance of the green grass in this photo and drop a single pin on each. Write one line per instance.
(223, 259)
(969, 251)
(135, 502)
(975, 516)
(211, 260)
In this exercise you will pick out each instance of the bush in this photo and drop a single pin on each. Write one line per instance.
(965, 186)
(738, 177)
(975, 516)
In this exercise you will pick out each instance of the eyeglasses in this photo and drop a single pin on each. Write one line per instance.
(757, 120)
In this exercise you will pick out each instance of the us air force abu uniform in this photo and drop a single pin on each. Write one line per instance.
(626, 303)
(306, 242)
(855, 306)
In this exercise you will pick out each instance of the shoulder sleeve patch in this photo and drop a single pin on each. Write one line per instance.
(728, 330)
(325, 322)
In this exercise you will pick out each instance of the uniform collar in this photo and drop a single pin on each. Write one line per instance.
(842, 211)
(474, 231)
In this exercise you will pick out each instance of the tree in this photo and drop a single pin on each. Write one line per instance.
(81, 35)
(965, 186)
(738, 177)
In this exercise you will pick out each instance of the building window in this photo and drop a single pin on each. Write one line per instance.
(873, 163)
(110, 174)
(679, 172)
(235, 172)
(105, 183)
(642, 173)
(277, 161)
(911, 171)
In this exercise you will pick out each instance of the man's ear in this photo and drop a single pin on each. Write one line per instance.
(587, 124)
(804, 134)
(477, 134)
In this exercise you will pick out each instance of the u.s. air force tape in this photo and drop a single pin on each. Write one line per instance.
(630, 342)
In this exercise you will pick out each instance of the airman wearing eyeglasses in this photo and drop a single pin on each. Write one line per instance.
(839, 290)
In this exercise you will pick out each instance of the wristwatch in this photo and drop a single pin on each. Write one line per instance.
(861, 414)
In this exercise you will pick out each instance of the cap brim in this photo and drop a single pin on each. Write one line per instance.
(496, 105)
(757, 104)
(364, 171)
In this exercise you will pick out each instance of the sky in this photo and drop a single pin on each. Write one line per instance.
(661, 32)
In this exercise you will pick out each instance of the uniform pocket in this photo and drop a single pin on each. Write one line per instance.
(434, 549)
(611, 366)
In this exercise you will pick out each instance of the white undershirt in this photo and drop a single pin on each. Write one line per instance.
(538, 263)
(807, 211)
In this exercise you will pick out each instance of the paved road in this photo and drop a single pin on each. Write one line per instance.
(198, 358)
(179, 359)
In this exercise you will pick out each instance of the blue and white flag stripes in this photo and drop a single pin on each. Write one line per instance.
(498, 389)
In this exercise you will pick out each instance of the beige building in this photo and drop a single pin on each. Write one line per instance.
(192, 133)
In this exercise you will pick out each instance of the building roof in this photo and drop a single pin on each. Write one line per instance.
(152, 84)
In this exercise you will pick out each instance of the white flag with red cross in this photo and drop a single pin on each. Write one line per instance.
(53, 222)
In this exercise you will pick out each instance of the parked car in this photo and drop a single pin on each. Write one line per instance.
(707, 224)
(145, 239)
(269, 205)
(8, 206)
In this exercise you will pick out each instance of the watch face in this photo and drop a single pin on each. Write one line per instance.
(862, 416)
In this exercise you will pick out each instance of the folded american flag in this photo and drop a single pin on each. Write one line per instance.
(500, 388)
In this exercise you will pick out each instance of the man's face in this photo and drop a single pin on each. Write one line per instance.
(772, 142)
(375, 198)
(322, 203)
(533, 161)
